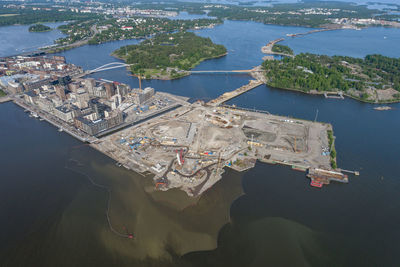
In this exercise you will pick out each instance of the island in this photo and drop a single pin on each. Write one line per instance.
(282, 49)
(169, 56)
(39, 28)
(141, 27)
(374, 79)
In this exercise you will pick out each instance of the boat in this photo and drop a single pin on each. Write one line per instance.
(315, 183)
(61, 129)
(33, 114)
(382, 108)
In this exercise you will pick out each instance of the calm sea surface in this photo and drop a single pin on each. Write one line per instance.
(267, 216)
(17, 39)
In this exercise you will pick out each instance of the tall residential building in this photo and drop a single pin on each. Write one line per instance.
(110, 89)
(144, 95)
(90, 84)
(60, 92)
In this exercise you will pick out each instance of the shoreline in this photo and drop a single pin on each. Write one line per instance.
(395, 101)
(183, 74)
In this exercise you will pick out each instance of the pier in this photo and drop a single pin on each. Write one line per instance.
(232, 94)
(356, 173)
(336, 95)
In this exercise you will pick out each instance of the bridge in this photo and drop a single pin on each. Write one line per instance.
(109, 66)
(116, 65)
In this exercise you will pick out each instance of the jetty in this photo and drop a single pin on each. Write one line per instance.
(232, 94)
(321, 176)
(310, 32)
(336, 95)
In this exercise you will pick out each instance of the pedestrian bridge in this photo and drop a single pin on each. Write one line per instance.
(115, 65)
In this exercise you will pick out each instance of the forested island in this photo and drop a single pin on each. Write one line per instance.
(375, 78)
(282, 49)
(140, 27)
(169, 56)
(39, 28)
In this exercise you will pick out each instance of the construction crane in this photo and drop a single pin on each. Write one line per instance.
(140, 80)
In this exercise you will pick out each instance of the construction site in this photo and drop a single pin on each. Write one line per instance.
(188, 147)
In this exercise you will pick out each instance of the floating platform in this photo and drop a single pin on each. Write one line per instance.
(326, 176)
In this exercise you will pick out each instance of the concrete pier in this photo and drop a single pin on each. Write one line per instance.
(232, 94)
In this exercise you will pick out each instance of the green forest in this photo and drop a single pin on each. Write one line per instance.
(308, 72)
(149, 27)
(9, 16)
(39, 28)
(280, 14)
(179, 51)
(277, 48)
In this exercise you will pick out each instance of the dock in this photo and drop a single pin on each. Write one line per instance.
(232, 94)
(326, 176)
(356, 173)
(64, 126)
(335, 95)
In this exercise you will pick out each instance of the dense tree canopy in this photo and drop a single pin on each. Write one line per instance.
(277, 48)
(39, 28)
(182, 50)
(323, 73)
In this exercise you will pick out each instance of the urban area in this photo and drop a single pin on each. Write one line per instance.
(185, 145)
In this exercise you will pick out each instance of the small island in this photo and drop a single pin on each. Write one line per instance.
(374, 79)
(282, 49)
(39, 28)
(169, 56)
